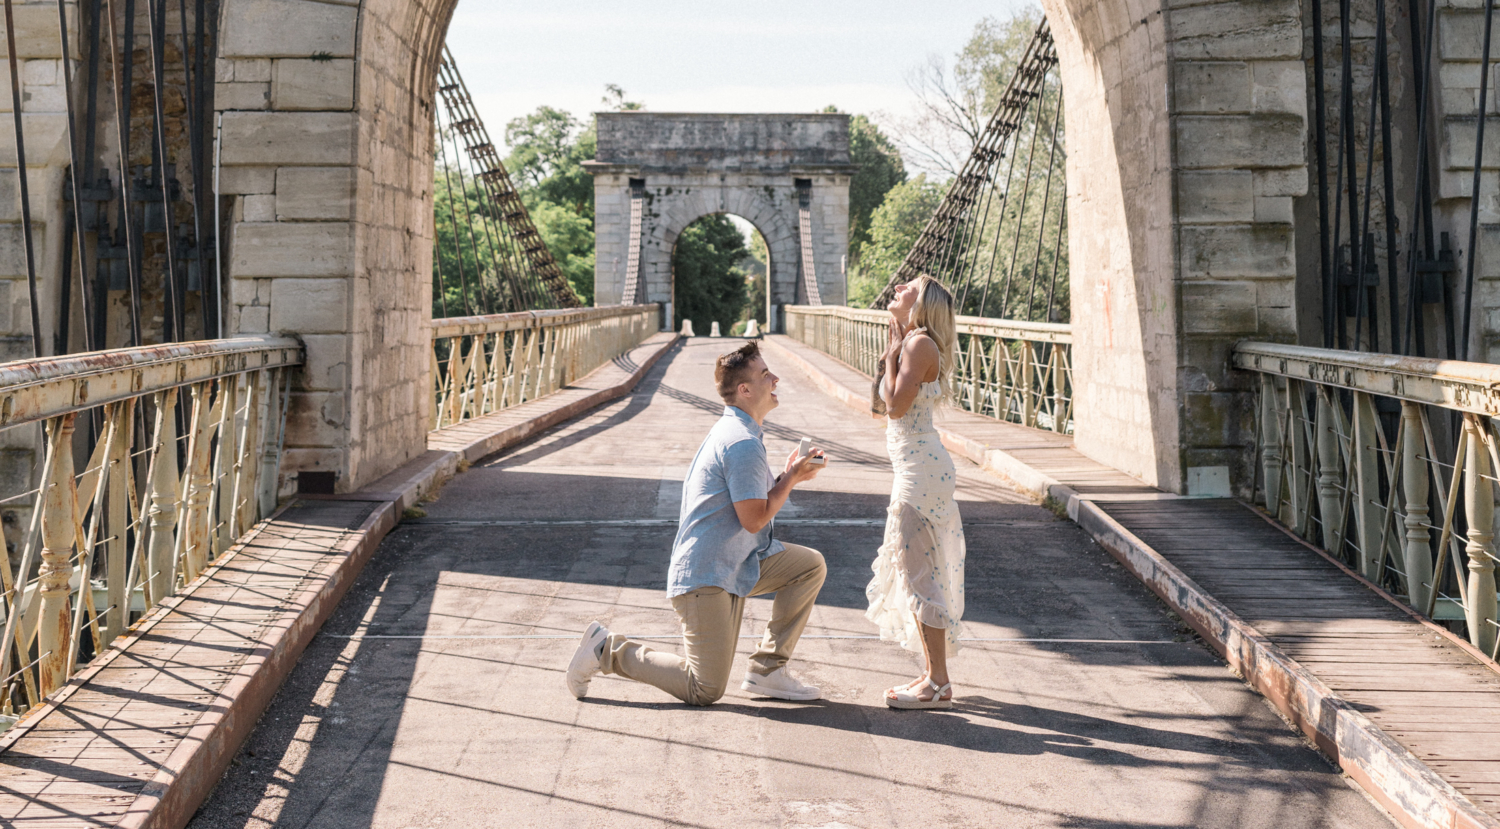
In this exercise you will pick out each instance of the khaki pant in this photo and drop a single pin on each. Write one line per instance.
(711, 629)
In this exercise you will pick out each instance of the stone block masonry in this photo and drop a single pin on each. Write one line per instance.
(1187, 128)
(326, 143)
(700, 164)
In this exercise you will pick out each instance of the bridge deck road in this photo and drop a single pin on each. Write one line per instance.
(435, 696)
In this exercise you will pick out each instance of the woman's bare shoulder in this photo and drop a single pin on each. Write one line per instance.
(918, 342)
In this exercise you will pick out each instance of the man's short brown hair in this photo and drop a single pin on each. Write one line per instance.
(734, 368)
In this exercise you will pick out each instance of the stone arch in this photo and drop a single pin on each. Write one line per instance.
(1187, 151)
(687, 166)
(781, 253)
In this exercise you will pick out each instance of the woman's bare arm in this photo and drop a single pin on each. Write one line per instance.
(918, 364)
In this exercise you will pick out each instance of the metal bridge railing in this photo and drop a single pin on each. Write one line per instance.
(487, 363)
(1371, 454)
(1019, 372)
(183, 445)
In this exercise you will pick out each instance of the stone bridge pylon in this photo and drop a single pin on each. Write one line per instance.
(656, 173)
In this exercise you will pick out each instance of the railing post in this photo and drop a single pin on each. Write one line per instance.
(219, 507)
(194, 526)
(121, 420)
(1329, 464)
(1270, 443)
(1414, 482)
(163, 510)
(1028, 401)
(1479, 507)
(58, 540)
(1368, 514)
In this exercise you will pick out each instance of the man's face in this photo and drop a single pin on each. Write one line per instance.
(758, 392)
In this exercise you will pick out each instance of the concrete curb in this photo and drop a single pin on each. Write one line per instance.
(171, 798)
(1400, 782)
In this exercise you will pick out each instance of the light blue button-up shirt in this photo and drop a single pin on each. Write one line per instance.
(712, 548)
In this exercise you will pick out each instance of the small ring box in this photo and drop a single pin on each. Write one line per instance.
(805, 447)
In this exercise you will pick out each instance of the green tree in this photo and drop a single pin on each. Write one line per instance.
(708, 284)
(879, 169)
(756, 265)
(894, 228)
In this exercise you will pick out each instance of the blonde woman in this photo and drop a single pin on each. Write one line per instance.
(917, 594)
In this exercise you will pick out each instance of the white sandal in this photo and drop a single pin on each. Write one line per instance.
(909, 700)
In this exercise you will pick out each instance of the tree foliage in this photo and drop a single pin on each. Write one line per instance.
(709, 285)
(880, 169)
(894, 228)
(955, 102)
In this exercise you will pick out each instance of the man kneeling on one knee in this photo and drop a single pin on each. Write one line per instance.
(725, 551)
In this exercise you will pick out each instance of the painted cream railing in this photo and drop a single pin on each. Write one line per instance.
(1374, 455)
(150, 508)
(483, 364)
(1014, 371)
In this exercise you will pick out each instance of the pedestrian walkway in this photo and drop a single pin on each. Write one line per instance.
(434, 696)
(1406, 708)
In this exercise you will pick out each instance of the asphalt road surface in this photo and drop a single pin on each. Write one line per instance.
(435, 696)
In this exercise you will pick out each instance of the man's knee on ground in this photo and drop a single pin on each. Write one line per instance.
(703, 694)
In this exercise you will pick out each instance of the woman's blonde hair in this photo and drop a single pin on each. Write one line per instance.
(934, 312)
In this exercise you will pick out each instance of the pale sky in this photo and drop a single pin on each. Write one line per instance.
(677, 56)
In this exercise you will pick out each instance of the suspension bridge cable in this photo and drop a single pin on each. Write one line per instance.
(1036, 263)
(984, 299)
(1010, 271)
(463, 282)
(121, 87)
(75, 173)
(463, 192)
(156, 11)
(15, 100)
(1484, 86)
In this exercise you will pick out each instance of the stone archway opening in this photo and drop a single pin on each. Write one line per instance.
(719, 274)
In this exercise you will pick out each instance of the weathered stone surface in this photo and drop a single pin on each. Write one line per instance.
(36, 33)
(1460, 34)
(1216, 87)
(293, 249)
(327, 365)
(1219, 196)
(236, 95)
(246, 181)
(313, 84)
(46, 139)
(1273, 209)
(287, 28)
(1238, 30)
(260, 208)
(10, 198)
(1248, 251)
(288, 138)
(320, 418)
(253, 319)
(310, 306)
(1289, 181)
(314, 193)
(1240, 141)
(1218, 307)
(1458, 150)
(1280, 86)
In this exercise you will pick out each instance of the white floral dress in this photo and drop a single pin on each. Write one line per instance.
(919, 570)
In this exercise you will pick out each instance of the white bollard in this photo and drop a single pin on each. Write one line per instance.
(752, 329)
(713, 329)
(687, 328)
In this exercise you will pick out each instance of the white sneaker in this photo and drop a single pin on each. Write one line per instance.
(780, 684)
(586, 659)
